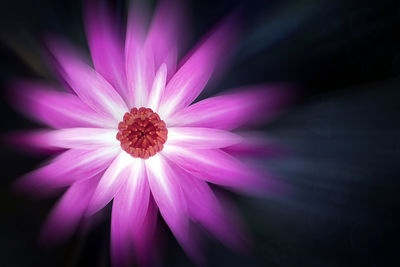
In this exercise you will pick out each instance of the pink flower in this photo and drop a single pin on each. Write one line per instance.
(131, 135)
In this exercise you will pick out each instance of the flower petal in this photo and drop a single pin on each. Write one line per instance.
(106, 46)
(78, 138)
(67, 168)
(89, 85)
(188, 82)
(216, 166)
(139, 62)
(157, 89)
(143, 237)
(201, 138)
(256, 145)
(68, 212)
(228, 111)
(115, 176)
(164, 33)
(57, 109)
(130, 207)
(206, 209)
(170, 200)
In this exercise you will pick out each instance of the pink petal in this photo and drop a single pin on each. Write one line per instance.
(157, 89)
(139, 62)
(106, 45)
(57, 109)
(256, 145)
(143, 237)
(228, 111)
(68, 212)
(167, 193)
(206, 209)
(67, 168)
(216, 166)
(77, 138)
(115, 176)
(89, 85)
(201, 138)
(191, 78)
(164, 34)
(130, 207)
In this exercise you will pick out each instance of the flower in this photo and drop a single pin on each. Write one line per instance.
(129, 133)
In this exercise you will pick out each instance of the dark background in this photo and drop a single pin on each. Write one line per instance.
(344, 132)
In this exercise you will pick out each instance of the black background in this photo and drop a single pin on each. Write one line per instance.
(344, 131)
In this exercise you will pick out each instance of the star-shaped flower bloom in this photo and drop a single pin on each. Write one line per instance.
(131, 134)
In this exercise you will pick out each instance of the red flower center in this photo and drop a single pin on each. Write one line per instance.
(142, 133)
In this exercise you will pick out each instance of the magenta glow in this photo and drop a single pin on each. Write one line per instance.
(126, 131)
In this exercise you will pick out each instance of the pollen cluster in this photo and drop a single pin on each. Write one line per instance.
(142, 133)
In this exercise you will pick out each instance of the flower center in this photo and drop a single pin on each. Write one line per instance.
(142, 133)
